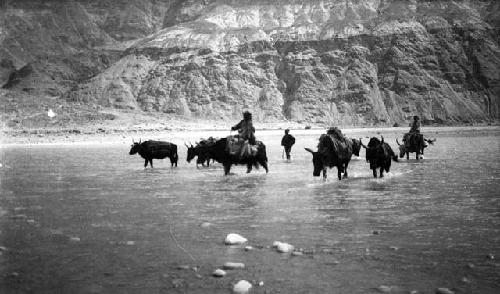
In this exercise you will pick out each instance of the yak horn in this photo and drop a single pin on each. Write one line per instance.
(382, 137)
(430, 141)
(309, 149)
(398, 142)
(361, 142)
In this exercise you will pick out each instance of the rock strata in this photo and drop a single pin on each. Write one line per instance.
(333, 62)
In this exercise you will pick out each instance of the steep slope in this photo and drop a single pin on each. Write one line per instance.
(349, 62)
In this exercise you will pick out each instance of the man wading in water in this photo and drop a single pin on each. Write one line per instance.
(246, 132)
(287, 142)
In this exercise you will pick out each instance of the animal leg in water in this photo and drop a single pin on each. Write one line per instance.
(249, 168)
(339, 173)
(345, 171)
(324, 174)
(227, 168)
(151, 163)
(145, 163)
(374, 172)
(264, 165)
(381, 172)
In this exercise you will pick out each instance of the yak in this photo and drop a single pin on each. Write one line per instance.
(201, 150)
(220, 151)
(155, 149)
(379, 155)
(413, 143)
(334, 152)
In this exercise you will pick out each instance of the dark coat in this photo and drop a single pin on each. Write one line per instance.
(246, 130)
(287, 140)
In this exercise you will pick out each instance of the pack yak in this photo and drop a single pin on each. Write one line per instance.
(155, 149)
(334, 152)
(379, 154)
(413, 143)
(221, 152)
(202, 151)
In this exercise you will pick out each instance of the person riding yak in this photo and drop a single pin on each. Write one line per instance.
(246, 133)
(413, 135)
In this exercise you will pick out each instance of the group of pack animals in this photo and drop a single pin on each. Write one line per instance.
(334, 150)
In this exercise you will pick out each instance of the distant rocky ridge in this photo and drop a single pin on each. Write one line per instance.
(343, 62)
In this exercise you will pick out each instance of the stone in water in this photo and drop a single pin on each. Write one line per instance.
(218, 273)
(233, 265)
(282, 247)
(444, 291)
(242, 287)
(235, 239)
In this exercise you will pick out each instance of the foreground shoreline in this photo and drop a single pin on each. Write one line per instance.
(195, 132)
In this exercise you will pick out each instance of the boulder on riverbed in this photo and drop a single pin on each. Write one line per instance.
(235, 239)
(242, 287)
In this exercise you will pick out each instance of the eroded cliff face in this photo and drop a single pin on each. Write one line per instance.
(334, 62)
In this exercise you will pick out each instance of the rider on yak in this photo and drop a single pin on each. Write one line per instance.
(246, 135)
(413, 137)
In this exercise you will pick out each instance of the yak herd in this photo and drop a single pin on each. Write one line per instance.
(334, 150)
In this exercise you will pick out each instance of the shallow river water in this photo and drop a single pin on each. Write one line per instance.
(91, 219)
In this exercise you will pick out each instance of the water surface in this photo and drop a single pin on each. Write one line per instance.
(91, 219)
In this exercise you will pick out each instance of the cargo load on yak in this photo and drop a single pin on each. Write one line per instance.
(239, 147)
(340, 142)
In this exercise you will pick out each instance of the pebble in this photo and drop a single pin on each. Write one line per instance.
(30, 221)
(183, 267)
(384, 289)
(130, 243)
(19, 216)
(261, 283)
(233, 265)
(218, 273)
(177, 283)
(3, 248)
(444, 291)
(248, 248)
(297, 253)
(490, 256)
(465, 280)
(376, 232)
(394, 248)
(235, 239)
(242, 287)
(74, 239)
(283, 247)
(205, 224)
(470, 265)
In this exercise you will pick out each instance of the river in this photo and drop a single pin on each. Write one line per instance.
(90, 219)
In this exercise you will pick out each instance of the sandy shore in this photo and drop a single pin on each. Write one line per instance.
(190, 133)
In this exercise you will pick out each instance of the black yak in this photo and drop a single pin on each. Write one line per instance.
(201, 150)
(379, 154)
(413, 143)
(155, 149)
(334, 150)
(221, 151)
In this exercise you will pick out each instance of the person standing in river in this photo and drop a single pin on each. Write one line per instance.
(287, 142)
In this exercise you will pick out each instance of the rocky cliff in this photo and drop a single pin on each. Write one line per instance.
(347, 62)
